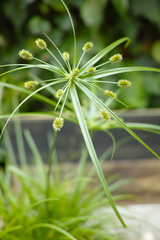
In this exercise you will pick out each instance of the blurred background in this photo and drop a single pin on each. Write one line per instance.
(101, 22)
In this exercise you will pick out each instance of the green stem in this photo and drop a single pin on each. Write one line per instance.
(80, 59)
(50, 163)
(74, 35)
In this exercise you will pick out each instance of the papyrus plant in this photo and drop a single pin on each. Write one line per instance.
(75, 77)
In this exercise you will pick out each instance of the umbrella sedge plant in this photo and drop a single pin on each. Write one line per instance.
(74, 78)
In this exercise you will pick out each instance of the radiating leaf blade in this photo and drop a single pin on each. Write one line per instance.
(91, 150)
(121, 70)
(98, 102)
(101, 54)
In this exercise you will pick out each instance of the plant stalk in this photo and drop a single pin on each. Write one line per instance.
(50, 164)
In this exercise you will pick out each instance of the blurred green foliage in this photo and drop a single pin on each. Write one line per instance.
(99, 21)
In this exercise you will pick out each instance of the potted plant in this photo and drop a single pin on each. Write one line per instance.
(75, 81)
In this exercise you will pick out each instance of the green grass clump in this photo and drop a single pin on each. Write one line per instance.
(69, 212)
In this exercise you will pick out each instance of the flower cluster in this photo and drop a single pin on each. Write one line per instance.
(75, 76)
(116, 58)
(123, 83)
(65, 56)
(87, 46)
(59, 93)
(91, 70)
(110, 94)
(26, 55)
(58, 124)
(30, 84)
(41, 43)
(105, 115)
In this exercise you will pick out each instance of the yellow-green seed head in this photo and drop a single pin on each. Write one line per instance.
(41, 43)
(110, 94)
(105, 115)
(59, 93)
(25, 54)
(91, 70)
(65, 56)
(87, 46)
(116, 58)
(123, 83)
(58, 124)
(30, 84)
(74, 73)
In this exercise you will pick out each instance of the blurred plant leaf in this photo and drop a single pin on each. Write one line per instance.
(135, 96)
(16, 11)
(156, 51)
(38, 25)
(148, 9)
(151, 86)
(121, 7)
(92, 12)
(56, 5)
(63, 22)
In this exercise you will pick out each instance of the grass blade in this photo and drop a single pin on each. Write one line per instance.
(46, 67)
(38, 161)
(98, 102)
(38, 96)
(91, 149)
(49, 84)
(54, 227)
(74, 35)
(101, 54)
(19, 138)
(122, 70)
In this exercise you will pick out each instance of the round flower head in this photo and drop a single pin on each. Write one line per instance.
(91, 70)
(58, 124)
(41, 43)
(110, 94)
(74, 73)
(30, 84)
(116, 58)
(122, 83)
(87, 46)
(59, 93)
(65, 56)
(105, 115)
(25, 54)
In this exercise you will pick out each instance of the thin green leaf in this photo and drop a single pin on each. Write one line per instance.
(96, 100)
(80, 173)
(9, 148)
(91, 149)
(65, 99)
(121, 70)
(74, 35)
(152, 128)
(30, 207)
(37, 157)
(67, 116)
(49, 84)
(19, 138)
(54, 227)
(43, 66)
(8, 230)
(38, 96)
(101, 54)
(49, 89)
